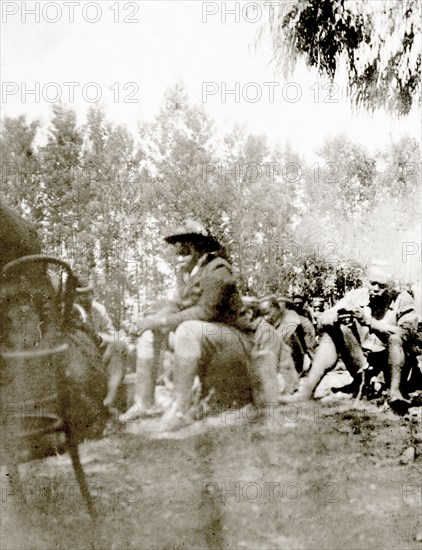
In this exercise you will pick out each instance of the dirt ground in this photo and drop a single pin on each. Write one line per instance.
(319, 476)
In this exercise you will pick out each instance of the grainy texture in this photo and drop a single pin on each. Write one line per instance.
(340, 484)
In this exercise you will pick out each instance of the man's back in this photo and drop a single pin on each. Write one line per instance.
(287, 324)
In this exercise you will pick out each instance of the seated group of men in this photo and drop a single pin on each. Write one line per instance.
(371, 327)
(248, 350)
(242, 351)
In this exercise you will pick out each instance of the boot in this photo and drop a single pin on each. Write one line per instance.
(144, 405)
(178, 415)
(115, 375)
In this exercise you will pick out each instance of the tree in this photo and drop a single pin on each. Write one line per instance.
(395, 214)
(104, 204)
(112, 192)
(378, 43)
(59, 162)
(19, 163)
(400, 176)
(177, 148)
(345, 182)
(259, 208)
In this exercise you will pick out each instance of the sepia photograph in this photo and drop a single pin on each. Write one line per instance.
(210, 275)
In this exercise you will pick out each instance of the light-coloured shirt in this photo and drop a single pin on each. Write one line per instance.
(401, 311)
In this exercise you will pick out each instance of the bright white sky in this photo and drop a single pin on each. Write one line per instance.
(169, 42)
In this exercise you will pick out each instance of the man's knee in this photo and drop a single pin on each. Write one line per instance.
(205, 333)
(327, 351)
(188, 337)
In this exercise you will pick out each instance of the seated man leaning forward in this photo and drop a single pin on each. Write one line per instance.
(288, 325)
(111, 342)
(209, 342)
(306, 321)
(368, 325)
(265, 353)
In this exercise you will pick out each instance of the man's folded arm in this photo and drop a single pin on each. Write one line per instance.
(406, 317)
(352, 298)
(217, 284)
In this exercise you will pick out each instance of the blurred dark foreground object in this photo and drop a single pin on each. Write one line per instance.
(37, 381)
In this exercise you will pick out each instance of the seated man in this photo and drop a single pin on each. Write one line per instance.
(208, 340)
(270, 309)
(306, 321)
(318, 308)
(266, 349)
(369, 325)
(288, 325)
(112, 346)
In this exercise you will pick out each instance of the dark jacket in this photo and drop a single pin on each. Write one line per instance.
(208, 293)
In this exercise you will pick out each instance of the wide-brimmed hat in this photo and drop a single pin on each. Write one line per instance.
(192, 231)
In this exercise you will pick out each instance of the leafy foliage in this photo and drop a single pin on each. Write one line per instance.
(19, 162)
(378, 42)
(103, 199)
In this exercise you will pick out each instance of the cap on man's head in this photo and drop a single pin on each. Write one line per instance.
(249, 301)
(192, 231)
(380, 271)
(271, 299)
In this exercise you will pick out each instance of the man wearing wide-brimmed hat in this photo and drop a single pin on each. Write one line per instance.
(368, 326)
(205, 316)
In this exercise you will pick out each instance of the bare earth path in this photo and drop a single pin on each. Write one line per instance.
(320, 477)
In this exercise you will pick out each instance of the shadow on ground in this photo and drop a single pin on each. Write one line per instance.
(324, 476)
